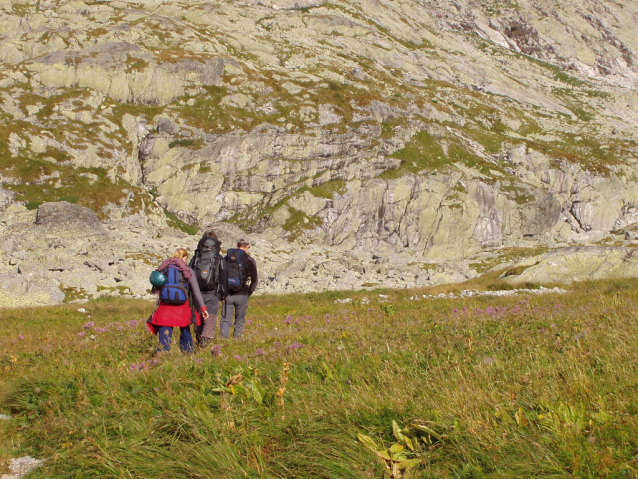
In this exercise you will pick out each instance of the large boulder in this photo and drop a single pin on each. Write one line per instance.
(572, 264)
(63, 218)
(17, 291)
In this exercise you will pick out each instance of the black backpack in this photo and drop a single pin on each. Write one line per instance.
(236, 264)
(175, 290)
(207, 264)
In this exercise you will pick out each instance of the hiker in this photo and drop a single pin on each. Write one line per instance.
(242, 281)
(210, 271)
(174, 308)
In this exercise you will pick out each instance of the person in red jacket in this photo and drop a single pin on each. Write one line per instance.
(166, 316)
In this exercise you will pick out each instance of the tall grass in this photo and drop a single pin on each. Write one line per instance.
(519, 386)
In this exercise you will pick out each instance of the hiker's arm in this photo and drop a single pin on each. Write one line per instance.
(252, 274)
(197, 294)
(223, 279)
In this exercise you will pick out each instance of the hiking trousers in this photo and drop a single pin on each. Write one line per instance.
(206, 330)
(236, 306)
(165, 335)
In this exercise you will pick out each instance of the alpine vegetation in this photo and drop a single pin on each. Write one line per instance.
(380, 386)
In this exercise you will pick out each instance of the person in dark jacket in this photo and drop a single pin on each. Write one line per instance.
(205, 330)
(166, 317)
(236, 303)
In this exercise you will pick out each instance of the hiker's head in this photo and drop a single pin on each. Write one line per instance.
(243, 244)
(180, 253)
(212, 234)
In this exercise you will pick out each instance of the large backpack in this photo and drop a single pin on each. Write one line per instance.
(236, 265)
(206, 264)
(175, 290)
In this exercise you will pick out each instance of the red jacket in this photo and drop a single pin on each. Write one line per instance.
(179, 316)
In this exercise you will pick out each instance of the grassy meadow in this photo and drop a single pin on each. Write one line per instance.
(334, 385)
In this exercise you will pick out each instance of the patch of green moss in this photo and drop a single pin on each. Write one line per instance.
(387, 128)
(135, 109)
(326, 190)
(518, 194)
(183, 143)
(71, 185)
(422, 152)
(33, 205)
(174, 222)
(298, 222)
(135, 64)
(58, 155)
(559, 74)
(96, 32)
(22, 9)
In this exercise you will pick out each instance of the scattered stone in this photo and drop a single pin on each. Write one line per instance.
(22, 466)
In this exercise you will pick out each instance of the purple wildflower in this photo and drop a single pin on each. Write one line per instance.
(259, 352)
(89, 325)
(294, 346)
(238, 357)
(216, 350)
(82, 334)
(20, 337)
(143, 365)
(249, 322)
(276, 344)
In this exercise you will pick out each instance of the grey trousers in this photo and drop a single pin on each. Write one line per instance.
(206, 330)
(237, 304)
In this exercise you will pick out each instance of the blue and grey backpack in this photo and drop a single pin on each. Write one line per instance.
(175, 290)
(236, 264)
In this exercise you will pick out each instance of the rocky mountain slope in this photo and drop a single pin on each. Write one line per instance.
(430, 135)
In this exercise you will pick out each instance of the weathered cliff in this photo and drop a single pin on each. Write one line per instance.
(436, 130)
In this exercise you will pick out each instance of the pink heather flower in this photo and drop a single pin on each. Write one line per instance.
(294, 346)
(89, 325)
(21, 337)
(259, 352)
(249, 322)
(82, 334)
(216, 350)
(276, 344)
(238, 357)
